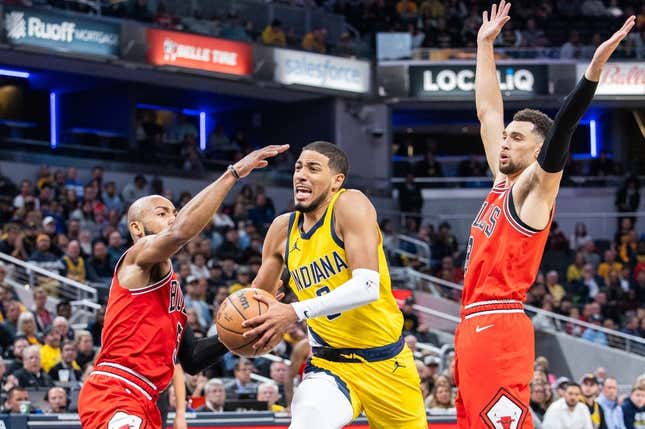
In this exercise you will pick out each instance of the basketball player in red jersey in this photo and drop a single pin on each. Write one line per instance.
(145, 329)
(494, 341)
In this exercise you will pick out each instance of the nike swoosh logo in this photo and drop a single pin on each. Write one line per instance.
(478, 329)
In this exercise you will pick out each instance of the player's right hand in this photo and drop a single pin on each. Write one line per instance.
(258, 159)
(491, 28)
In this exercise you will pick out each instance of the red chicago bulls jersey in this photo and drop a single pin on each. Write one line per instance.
(503, 254)
(142, 331)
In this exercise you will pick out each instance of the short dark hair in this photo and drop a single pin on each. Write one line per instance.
(571, 384)
(541, 122)
(338, 161)
(15, 389)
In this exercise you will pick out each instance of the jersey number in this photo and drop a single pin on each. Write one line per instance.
(468, 250)
(320, 292)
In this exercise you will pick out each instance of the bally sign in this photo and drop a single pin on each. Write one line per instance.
(432, 81)
(619, 79)
(61, 32)
(321, 71)
(198, 52)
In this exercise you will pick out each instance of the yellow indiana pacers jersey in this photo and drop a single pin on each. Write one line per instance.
(317, 265)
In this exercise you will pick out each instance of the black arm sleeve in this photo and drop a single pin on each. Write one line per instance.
(196, 355)
(555, 150)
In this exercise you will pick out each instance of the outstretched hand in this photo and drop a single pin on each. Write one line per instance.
(607, 48)
(491, 28)
(258, 159)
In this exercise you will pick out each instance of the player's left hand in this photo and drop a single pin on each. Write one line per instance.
(607, 48)
(271, 325)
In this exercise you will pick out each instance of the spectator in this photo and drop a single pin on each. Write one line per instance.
(580, 237)
(99, 264)
(262, 213)
(410, 319)
(608, 400)
(11, 318)
(590, 388)
(634, 408)
(215, 394)
(164, 18)
(96, 326)
(568, 412)
(273, 34)
(628, 196)
(196, 299)
(19, 346)
(11, 241)
(135, 190)
(407, 10)
(410, 198)
(594, 335)
(609, 264)
(316, 41)
(198, 268)
(574, 272)
(27, 328)
(32, 374)
(532, 36)
(26, 195)
(111, 198)
(553, 286)
(43, 256)
(242, 386)
(429, 166)
(15, 396)
(440, 401)
(538, 401)
(588, 285)
(115, 248)
(74, 266)
(140, 11)
(67, 369)
(268, 392)
(593, 8)
(56, 400)
(571, 49)
(85, 349)
(234, 30)
(50, 353)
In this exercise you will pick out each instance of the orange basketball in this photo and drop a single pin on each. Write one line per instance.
(235, 309)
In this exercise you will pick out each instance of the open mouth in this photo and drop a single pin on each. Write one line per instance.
(302, 192)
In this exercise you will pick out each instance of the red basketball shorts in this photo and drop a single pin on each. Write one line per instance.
(109, 403)
(495, 348)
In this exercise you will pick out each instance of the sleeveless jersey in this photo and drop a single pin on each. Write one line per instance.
(503, 254)
(317, 265)
(143, 329)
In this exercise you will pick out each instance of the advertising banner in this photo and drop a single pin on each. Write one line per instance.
(62, 32)
(199, 52)
(321, 71)
(459, 80)
(620, 78)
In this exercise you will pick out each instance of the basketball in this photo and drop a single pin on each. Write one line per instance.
(235, 309)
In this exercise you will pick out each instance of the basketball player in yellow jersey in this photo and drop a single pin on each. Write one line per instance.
(332, 247)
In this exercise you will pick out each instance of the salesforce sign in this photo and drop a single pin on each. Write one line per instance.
(439, 80)
(321, 71)
(61, 32)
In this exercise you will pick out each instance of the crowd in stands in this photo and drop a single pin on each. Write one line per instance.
(431, 23)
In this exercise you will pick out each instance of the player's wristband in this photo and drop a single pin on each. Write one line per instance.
(233, 171)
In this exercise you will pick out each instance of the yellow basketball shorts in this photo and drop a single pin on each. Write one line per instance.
(388, 390)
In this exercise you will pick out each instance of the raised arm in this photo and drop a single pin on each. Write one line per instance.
(194, 216)
(488, 96)
(536, 189)
(268, 277)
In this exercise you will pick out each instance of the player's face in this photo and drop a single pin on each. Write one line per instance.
(160, 215)
(520, 147)
(313, 181)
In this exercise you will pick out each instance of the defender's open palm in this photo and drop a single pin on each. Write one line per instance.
(258, 159)
(491, 28)
(604, 51)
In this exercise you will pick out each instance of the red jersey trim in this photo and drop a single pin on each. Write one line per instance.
(154, 286)
(125, 380)
(129, 371)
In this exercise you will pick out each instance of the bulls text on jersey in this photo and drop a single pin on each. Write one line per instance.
(176, 298)
(318, 270)
(486, 219)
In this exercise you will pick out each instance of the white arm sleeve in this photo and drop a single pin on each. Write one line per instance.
(361, 289)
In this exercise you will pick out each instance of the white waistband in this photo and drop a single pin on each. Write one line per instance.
(123, 379)
(129, 371)
(497, 301)
(482, 313)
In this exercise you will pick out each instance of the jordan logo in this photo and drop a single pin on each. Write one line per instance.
(397, 365)
(295, 247)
